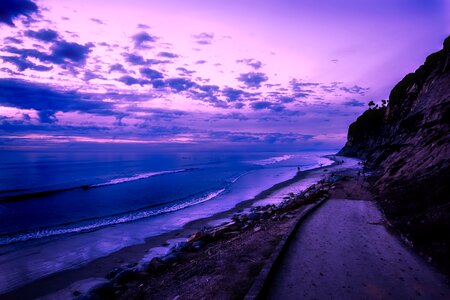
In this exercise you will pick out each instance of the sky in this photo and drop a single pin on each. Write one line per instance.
(273, 73)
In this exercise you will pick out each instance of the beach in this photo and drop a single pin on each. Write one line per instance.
(92, 254)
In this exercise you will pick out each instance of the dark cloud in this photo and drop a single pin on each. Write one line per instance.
(354, 103)
(138, 60)
(48, 100)
(63, 51)
(129, 80)
(253, 79)
(255, 64)
(150, 73)
(47, 116)
(185, 72)
(232, 94)
(355, 90)
(45, 35)
(158, 83)
(11, 9)
(98, 21)
(22, 64)
(13, 40)
(142, 38)
(286, 99)
(117, 68)
(180, 84)
(204, 38)
(135, 59)
(258, 105)
(208, 93)
(167, 55)
(143, 26)
(301, 89)
(88, 75)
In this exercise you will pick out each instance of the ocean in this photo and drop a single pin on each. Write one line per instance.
(88, 204)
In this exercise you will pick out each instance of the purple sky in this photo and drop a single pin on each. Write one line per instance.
(288, 73)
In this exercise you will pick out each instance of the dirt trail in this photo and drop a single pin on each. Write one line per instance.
(343, 251)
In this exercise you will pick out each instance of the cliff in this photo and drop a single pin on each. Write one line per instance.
(407, 143)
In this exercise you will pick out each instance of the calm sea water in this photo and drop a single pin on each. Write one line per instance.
(46, 194)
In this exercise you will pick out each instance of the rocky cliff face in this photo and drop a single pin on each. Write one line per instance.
(407, 142)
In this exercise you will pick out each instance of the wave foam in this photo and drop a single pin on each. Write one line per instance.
(44, 233)
(136, 177)
(271, 160)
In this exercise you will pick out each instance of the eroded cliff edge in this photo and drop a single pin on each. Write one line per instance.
(407, 143)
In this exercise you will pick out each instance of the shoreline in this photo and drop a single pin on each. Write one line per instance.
(132, 254)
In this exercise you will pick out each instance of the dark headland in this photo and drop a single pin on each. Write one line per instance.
(404, 146)
(407, 142)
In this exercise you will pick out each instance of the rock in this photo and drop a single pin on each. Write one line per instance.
(197, 245)
(243, 218)
(125, 276)
(254, 216)
(153, 266)
(170, 258)
(114, 272)
(196, 236)
(130, 265)
(256, 229)
(103, 290)
(180, 247)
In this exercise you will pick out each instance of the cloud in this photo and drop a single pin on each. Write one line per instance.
(200, 62)
(150, 73)
(88, 75)
(13, 40)
(63, 51)
(138, 60)
(134, 59)
(11, 9)
(261, 105)
(143, 26)
(203, 38)
(180, 84)
(98, 21)
(255, 64)
(22, 64)
(129, 80)
(45, 35)
(185, 72)
(233, 94)
(167, 55)
(48, 100)
(253, 79)
(117, 68)
(355, 90)
(47, 116)
(354, 103)
(142, 38)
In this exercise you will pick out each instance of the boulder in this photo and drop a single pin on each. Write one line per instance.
(103, 290)
(125, 276)
(153, 266)
(197, 245)
(254, 216)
